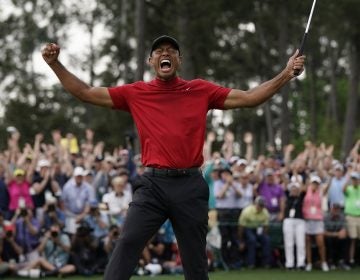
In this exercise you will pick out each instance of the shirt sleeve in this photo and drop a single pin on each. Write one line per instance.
(216, 94)
(119, 97)
(243, 217)
(65, 240)
(267, 217)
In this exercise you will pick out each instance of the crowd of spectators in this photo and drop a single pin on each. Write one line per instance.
(63, 204)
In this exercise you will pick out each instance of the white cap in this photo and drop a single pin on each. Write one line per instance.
(315, 179)
(43, 163)
(296, 178)
(87, 172)
(241, 161)
(339, 166)
(78, 171)
(49, 198)
(249, 169)
(110, 159)
(355, 175)
(233, 159)
(293, 185)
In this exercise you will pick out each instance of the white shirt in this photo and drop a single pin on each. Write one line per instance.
(229, 201)
(119, 203)
(247, 195)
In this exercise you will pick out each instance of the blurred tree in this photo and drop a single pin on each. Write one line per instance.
(234, 43)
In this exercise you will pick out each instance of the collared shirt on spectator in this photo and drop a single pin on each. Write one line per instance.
(75, 197)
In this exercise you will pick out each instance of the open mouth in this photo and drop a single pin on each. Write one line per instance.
(165, 64)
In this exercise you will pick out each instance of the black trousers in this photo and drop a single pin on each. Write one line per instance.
(228, 226)
(182, 199)
(336, 249)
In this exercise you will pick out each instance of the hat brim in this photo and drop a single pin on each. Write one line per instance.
(164, 39)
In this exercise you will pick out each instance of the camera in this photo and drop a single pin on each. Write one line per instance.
(83, 230)
(23, 212)
(54, 234)
(51, 208)
(93, 210)
(9, 234)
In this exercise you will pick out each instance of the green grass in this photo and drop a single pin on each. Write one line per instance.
(257, 274)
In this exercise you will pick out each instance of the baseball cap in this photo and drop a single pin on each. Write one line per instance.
(19, 172)
(241, 161)
(336, 205)
(87, 172)
(315, 179)
(296, 178)
(268, 172)
(78, 171)
(43, 163)
(99, 158)
(249, 169)
(163, 39)
(260, 201)
(9, 226)
(226, 170)
(233, 160)
(124, 152)
(355, 175)
(339, 167)
(94, 203)
(110, 159)
(293, 185)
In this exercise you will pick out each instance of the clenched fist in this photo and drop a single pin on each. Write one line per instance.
(50, 53)
(295, 63)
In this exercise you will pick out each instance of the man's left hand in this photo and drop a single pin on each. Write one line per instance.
(295, 63)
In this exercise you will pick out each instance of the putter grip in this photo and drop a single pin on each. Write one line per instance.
(301, 51)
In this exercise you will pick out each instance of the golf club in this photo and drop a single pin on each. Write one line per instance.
(302, 45)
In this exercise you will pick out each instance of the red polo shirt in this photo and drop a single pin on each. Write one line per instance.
(170, 117)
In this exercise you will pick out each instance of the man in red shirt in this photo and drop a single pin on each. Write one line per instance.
(170, 114)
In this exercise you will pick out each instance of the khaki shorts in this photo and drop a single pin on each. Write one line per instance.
(353, 226)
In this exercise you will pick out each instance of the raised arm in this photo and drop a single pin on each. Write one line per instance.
(256, 96)
(94, 95)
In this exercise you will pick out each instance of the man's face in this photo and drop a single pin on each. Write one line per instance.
(338, 173)
(270, 179)
(119, 187)
(355, 182)
(165, 60)
(335, 210)
(259, 208)
(20, 178)
(244, 179)
(78, 180)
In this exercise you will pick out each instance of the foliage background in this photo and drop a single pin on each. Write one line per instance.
(233, 43)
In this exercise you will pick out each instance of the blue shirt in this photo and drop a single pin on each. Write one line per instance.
(166, 232)
(48, 222)
(24, 238)
(98, 232)
(55, 254)
(76, 198)
(335, 194)
(229, 201)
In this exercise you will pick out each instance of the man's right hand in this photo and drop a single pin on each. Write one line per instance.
(94, 95)
(50, 53)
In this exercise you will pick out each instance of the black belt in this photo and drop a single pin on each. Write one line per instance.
(171, 172)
